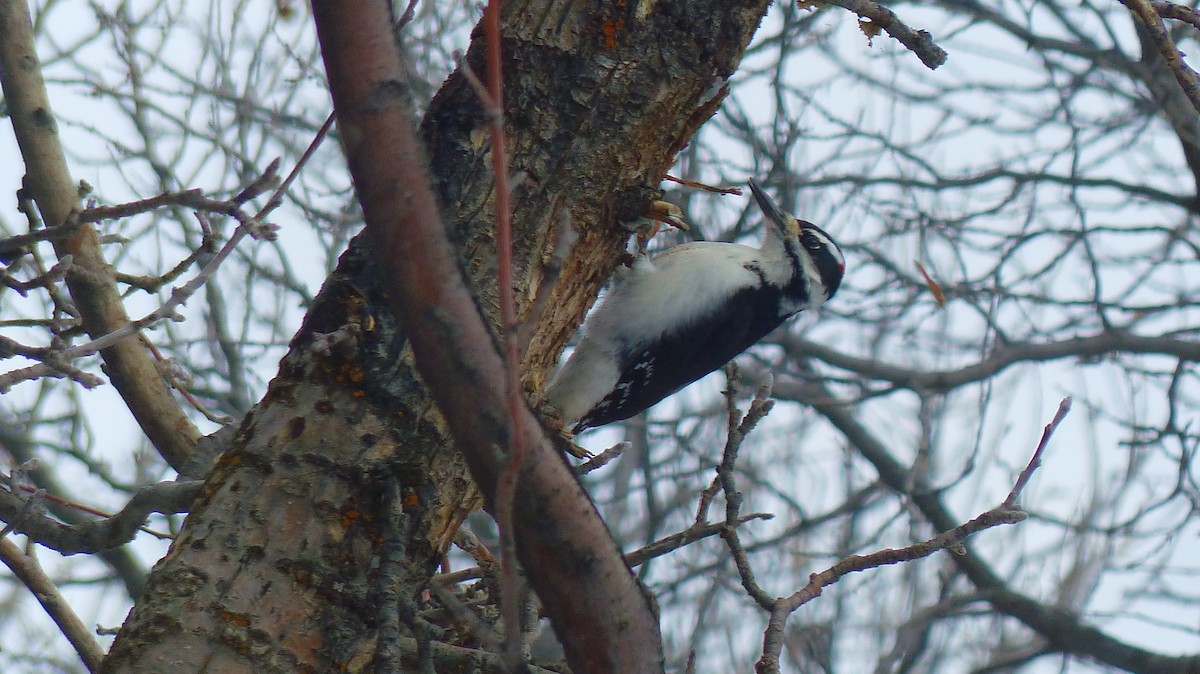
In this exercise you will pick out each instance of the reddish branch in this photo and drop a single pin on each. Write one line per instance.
(511, 587)
(606, 622)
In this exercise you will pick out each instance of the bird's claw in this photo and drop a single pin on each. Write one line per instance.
(646, 227)
(552, 420)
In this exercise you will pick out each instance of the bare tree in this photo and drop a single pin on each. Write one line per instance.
(1019, 228)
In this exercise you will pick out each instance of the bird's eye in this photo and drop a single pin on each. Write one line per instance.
(811, 243)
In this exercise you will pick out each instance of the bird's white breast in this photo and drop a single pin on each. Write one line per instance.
(672, 290)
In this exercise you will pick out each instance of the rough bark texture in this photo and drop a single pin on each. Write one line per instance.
(606, 620)
(275, 569)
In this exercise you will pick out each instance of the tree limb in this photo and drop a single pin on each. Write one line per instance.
(604, 617)
(59, 609)
(1001, 358)
(87, 537)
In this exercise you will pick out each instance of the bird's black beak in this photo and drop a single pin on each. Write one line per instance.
(782, 221)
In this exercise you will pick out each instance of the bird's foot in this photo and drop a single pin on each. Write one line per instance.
(553, 422)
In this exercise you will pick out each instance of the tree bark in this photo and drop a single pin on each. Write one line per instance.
(276, 568)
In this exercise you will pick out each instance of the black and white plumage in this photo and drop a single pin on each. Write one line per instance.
(671, 319)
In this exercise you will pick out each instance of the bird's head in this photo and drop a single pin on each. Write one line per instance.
(803, 240)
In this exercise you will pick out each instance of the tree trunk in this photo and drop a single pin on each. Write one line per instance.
(276, 568)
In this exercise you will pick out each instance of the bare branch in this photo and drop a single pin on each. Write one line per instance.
(447, 658)
(1064, 406)
(17, 242)
(1170, 10)
(675, 541)
(164, 497)
(57, 607)
(739, 427)
(57, 360)
(999, 358)
(1005, 513)
(1145, 11)
(602, 459)
(918, 42)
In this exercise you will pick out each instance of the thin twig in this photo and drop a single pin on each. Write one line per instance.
(45, 280)
(468, 542)
(701, 186)
(1005, 513)
(151, 284)
(277, 196)
(739, 427)
(16, 242)
(511, 587)
(464, 616)
(602, 459)
(56, 363)
(947, 540)
(690, 535)
(175, 376)
(82, 507)
(658, 548)
(1064, 406)
(447, 658)
(248, 225)
(406, 17)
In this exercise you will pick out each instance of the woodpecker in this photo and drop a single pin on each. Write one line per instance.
(671, 319)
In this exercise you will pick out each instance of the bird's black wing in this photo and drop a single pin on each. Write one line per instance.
(656, 370)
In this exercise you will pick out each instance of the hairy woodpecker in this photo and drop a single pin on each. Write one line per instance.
(670, 320)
